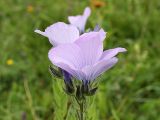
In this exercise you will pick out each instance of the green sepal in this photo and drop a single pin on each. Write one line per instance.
(79, 94)
(55, 72)
(92, 91)
(69, 89)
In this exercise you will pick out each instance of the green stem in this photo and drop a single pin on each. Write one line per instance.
(81, 105)
(80, 112)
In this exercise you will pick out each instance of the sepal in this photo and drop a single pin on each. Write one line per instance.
(88, 89)
(54, 72)
(85, 87)
(69, 90)
(69, 87)
(92, 91)
(79, 94)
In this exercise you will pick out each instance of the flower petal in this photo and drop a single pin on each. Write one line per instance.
(80, 20)
(69, 54)
(67, 57)
(91, 46)
(60, 33)
(92, 72)
(74, 72)
(87, 12)
(107, 54)
(40, 32)
(102, 34)
(74, 20)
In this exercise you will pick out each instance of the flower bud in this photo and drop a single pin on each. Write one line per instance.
(69, 87)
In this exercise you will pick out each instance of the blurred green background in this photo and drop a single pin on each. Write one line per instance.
(129, 91)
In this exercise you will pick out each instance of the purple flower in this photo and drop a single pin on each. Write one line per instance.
(60, 33)
(80, 20)
(84, 59)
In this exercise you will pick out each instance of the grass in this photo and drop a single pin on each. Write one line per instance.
(129, 91)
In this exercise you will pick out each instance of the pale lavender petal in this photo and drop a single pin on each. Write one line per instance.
(60, 33)
(73, 71)
(92, 72)
(69, 54)
(102, 34)
(41, 32)
(74, 19)
(67, 57)
(87, 12)
(91, 46)
(107, 54)
(80, 20)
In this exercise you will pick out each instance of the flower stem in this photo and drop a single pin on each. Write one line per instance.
(80, 112)
(81, 105)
